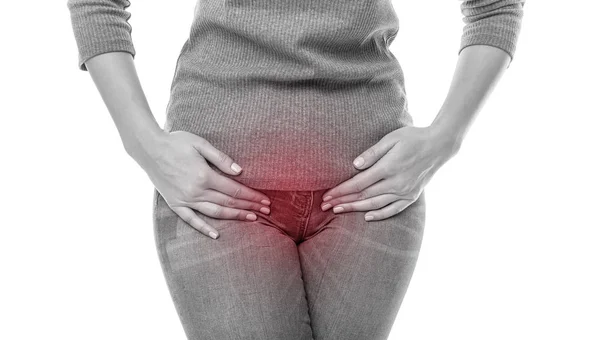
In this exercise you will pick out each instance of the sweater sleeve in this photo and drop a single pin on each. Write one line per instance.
(492, 22)
(100, 26)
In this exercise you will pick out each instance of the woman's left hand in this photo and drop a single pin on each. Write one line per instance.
(398, 168)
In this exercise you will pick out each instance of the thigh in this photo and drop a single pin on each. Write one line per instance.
(356, 273)
(247, 284)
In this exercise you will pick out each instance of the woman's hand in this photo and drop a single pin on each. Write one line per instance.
(397, 169)
(176, 164)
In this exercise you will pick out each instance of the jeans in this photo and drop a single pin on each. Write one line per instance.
(296, 273)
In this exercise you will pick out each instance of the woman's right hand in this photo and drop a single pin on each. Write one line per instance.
(176, 164)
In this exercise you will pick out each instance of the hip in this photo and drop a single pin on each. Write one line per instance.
(289, 138)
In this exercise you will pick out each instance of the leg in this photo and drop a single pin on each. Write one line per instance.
(356, 273)
(247, 284)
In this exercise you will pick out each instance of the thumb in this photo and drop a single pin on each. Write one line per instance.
(374, 153)
(216, 156)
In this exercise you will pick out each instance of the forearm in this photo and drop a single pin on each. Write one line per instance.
(478, 69)
(117, 81)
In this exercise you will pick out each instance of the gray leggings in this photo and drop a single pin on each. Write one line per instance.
(297, 273)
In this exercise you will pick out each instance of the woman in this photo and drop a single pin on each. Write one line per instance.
(307, 97)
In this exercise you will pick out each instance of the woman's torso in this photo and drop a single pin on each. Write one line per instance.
(292, 90)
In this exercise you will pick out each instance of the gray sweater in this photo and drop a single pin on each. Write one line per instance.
(292, 90)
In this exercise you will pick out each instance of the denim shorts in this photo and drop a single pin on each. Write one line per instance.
(296, 273)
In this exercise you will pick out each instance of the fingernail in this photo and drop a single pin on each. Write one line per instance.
(251, 217)
(338, 209)
(359, 161)
(213, 235)
(326, 206)
(236, 167)
(368, 218)
(265, 202)
(326, 198)
(265, 210)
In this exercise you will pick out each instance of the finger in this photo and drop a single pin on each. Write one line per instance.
(223, 213)
(217, 157)
(235, 189)
(375, 152)
(355, 184)
(388, 211)
(379, 188)
(228, 201)
(190, 217)
(366, 205)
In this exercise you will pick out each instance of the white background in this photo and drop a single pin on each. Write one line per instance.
(511, 245)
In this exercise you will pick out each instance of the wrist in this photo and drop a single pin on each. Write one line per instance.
(141, 141)
(447, 138)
